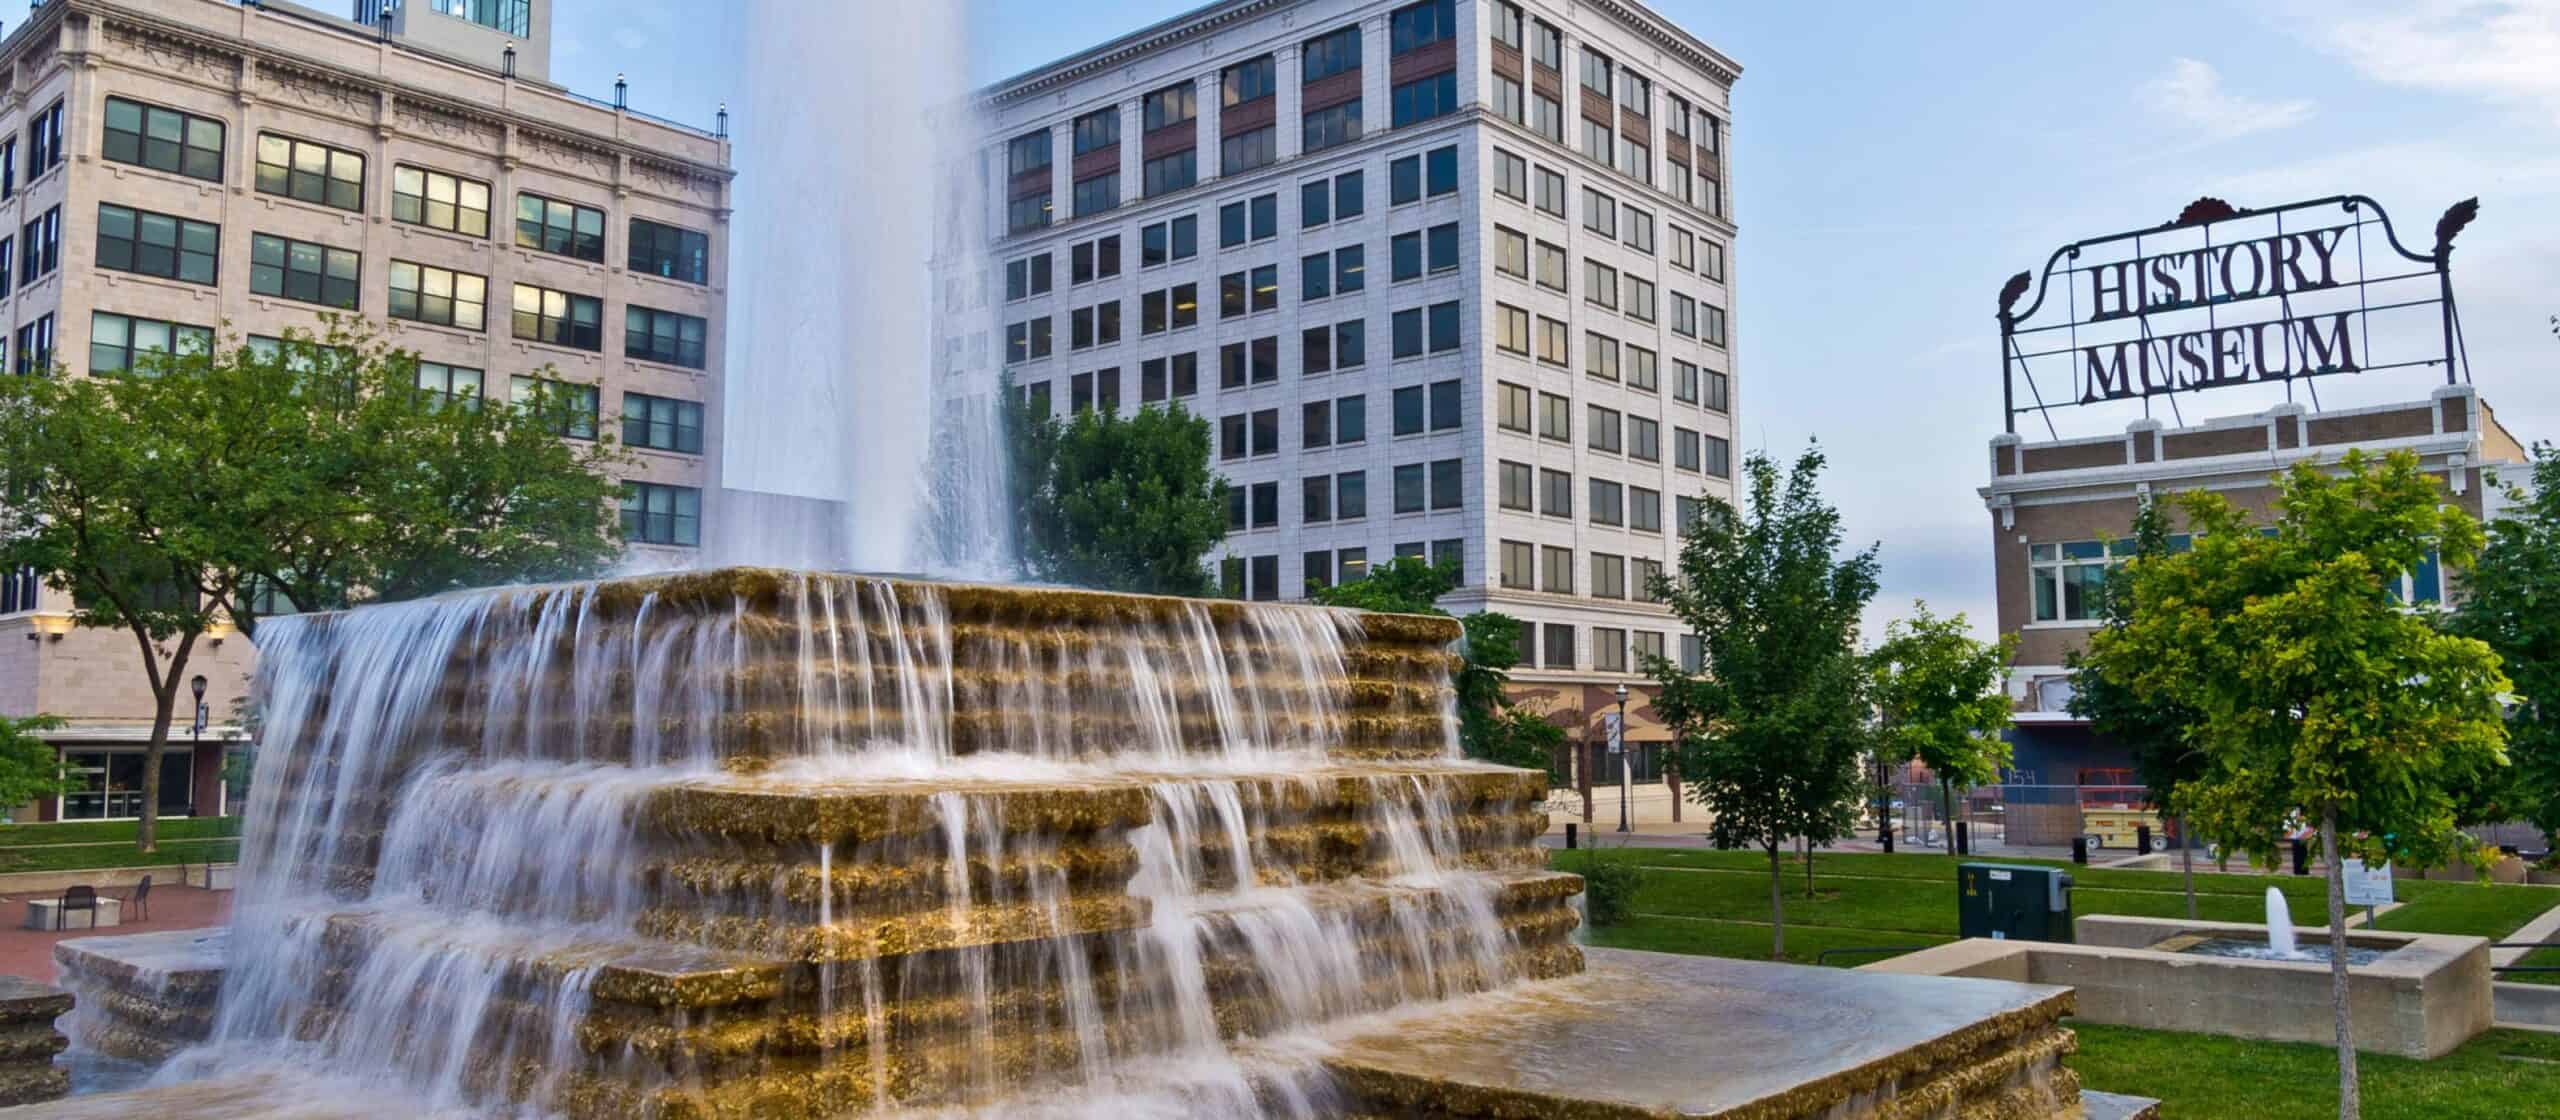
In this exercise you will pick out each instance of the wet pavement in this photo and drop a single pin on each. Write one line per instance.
(29, 953)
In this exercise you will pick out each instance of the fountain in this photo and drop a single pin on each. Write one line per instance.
(2280, 926)
(753, 843)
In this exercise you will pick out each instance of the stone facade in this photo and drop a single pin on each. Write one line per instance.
(282, 72)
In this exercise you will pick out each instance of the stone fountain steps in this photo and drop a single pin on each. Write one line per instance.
(1373, 677)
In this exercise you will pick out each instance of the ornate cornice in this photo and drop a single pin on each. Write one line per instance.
(1662, 33)
(1172, 32)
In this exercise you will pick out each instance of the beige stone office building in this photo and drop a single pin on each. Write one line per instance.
(174, 169)
(1449, 279)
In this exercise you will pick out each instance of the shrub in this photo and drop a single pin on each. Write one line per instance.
(1609, 884)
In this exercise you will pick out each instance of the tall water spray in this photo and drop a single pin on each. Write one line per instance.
(860, 185)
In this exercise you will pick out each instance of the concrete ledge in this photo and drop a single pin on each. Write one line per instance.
(2527, 1005)
(2430, 994)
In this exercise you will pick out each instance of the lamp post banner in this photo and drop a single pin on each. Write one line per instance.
(2226, 298)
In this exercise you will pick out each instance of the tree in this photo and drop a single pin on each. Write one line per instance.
(165, 498)
(2511, 600)
(2320, 695)
(1490, 726)
(29, 768)
(1119, 504)
(2152, 729)
(1939, 699)
(1772, 726)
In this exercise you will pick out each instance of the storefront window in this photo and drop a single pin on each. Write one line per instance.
(107, 785)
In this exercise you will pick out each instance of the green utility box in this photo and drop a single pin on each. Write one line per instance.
(2008, 901)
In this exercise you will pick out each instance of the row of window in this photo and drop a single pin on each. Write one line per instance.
(2068, 578)
(1426, 97)
(1258, 577)
(1551, 568)
(182, 143)
(175, 248)
(1630, 154)
(1414, 332)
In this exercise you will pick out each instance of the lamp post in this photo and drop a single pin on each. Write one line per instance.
(198, 685)
(1618, 747)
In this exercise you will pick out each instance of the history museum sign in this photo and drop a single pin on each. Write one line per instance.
(2223, 297)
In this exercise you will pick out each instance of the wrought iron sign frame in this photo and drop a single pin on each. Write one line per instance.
(2218, 356)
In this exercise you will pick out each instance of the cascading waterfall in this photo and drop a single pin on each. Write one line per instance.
(861, 845)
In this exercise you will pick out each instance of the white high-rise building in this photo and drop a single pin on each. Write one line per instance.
(1449, 279)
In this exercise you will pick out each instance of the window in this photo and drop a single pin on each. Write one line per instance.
(566, 319)
(1266, 503)
(515, 17)
(1513, 410)
(1643, 370)
(1028, 212)
(463, 385)
(312, 172)
(1168, 241)
(1641, 304)
(1599, 142)
(1546, 117)
(8, 258)
(160, 245)
(1027, 153)
(1257, 361)
(458, 205)
(1644, 439)
(1433, 329)
(1510, 102)
(1351, 344)
(1097, 194)
(1553, 267)
(1556, 566)
(304, 270)
(1608, 576)
(1243, 293)
(1600, 355)
(1516, 485)
(1351, 495)
(1447, 489)
(1640, 587)
(1176, 376)
(1174, 104)
(1248, 220)
(1098, 259)
(1026, 277)
(1435, 250)
(1350, 195)
(1250, 80)
(441, 296)
(1555, 493)
(1507, 24)
(1315, 425)
(1171, 308)
(662, 423)
(1608, 649)
(44, 141)
(1599, 213)
(1553, 347)
(1510, 176)
(651, 335)
(1316, 571)
(1097, 130)
(118, 343)
(1172, 172)
(1684, 382)
(1608, 503)
(1559, 652)
(1644, 509)
(1511, 329)
(35, 347)
(1423, 99)
(657, 514)
(1266, 578)
(1416, 177)
(40, 246)
(1684, 316)
(565, 228)
(1511, 258)
(1421, 25)
(1551, 192)
(1546, 45)
(1412, 486)
(1605, 429)
(2067, 578)
(1636, 159)
(1711, 265)
(1684, 250)
(164, 140)
(571, 407)
(9, 167)
(1684, 450)
(1231, 442)
(1711, 326)
(1719, 457)
(1517, 563)
(1600, 284)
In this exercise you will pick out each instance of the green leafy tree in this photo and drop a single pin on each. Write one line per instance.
(166, 498)
(29, 769)
(2151, 728)
(1490, 726)
(1122, 504)
(2511, 600)
(1939, 698)
(1772, 727)
(2320, 696)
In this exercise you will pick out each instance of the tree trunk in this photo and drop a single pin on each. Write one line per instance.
(1947, 811)
(165, 698)
(1671, 774)
(2350, 1100)
(1808, 869)
(1777, 905)
(1582, 778)
(2187, 863)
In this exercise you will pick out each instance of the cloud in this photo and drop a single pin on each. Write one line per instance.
(2503, 52)
(2191, 95)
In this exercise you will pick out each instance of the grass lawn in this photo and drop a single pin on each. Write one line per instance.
(2501, 1075)
(1875, 899)
(84, 845)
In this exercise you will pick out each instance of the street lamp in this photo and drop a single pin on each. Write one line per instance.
(1618, 747)
(198, 685)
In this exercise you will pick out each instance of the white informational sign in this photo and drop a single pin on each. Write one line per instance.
(2366, 886)
(1617, 732)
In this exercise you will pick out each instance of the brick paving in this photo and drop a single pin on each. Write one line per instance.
(29, 953)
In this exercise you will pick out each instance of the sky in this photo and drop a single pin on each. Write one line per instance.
(1894, 163)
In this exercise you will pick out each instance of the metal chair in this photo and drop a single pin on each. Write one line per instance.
(140, 900)
(77, 898)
